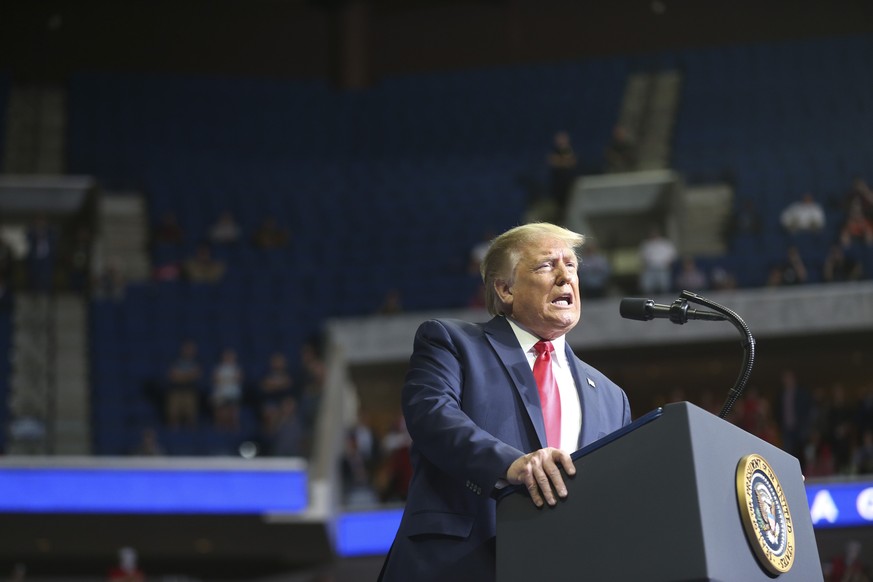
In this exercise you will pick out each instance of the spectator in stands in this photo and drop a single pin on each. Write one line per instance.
(7, 259)
(127, 569)
(722, 279)
(862, 456)
(820, 410)
(275, 387)
(657, 255)
(621, 153)
(562, 172)
(744, 221)
(149, 445)
(227, 389)
(793, 410)
(225, 230)
(362, 431)
(838, 266)
(110, 282)
(477, 298)
(289, 438)
(356, 476)
(167, 272)
(849, 566)
(477, 253)
(690, 276)
(804, 215)
(594, 270)
(168, 231)
(750, 408)
(864, 418)
(5, 295)
(315, 376)
(841, 433)
(395, 471)
(392, 303)
(474, 262)
(764, 426)
(78, 261)
(791, 271)
(41, 255)
(183, 390)
(857, 227)
(203, 267)
(167, 238)
(860, 193)
(270, 235)
(818, 459)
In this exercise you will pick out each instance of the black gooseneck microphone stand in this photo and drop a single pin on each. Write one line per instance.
(748, 343)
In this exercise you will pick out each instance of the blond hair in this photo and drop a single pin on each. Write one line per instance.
(505, 251)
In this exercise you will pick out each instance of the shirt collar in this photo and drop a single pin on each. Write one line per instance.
(527, 340)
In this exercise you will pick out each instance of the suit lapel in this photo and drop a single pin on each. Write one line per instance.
(587, 397)
(505, 344)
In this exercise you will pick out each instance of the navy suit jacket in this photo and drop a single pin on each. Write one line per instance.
(472, 408)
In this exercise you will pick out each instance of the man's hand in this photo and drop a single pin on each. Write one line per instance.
(539, 471)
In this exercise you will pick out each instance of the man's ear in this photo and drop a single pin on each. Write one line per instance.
(504, 292)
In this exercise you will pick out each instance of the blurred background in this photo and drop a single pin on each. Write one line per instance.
(221, 223)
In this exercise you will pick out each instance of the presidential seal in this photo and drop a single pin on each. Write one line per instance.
(765, 514)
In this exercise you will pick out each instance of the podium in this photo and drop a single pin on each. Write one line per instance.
(678, 495)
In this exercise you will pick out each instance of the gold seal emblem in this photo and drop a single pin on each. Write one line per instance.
(765, 514)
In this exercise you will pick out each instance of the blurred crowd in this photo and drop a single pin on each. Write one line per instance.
(828, 428)
(828, 238)
(274, 413)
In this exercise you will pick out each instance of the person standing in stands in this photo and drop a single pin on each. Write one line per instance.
(276, 386)
(804, 215)
(621, 155)
(269, 235)
(562, 172)
(595, 271)
(183, 392)
(225, 230)
(227, 388)
(793, 412)
(690, 276)
(657, 256)
(203, 267)
(473, 408)
(41, 255)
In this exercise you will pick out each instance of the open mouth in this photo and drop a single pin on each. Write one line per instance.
(564, 300)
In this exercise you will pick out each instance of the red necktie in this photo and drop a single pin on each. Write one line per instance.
(550, 398)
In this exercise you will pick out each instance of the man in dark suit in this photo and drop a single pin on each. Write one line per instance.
(472, 406)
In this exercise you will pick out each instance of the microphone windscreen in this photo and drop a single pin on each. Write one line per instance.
(635, 308)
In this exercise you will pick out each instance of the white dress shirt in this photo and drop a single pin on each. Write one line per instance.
(571, 409)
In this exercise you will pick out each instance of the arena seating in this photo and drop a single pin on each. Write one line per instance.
(5, 87)
(5, 370)
(390, 187)
(778, 120)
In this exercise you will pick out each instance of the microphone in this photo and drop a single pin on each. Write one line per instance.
(679, 313)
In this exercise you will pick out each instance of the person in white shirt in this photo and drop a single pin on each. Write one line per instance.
(657, 255)
(804, 215)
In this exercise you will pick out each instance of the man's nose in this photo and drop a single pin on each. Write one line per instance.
(562, 275)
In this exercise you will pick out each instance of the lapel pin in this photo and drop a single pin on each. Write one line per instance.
(591, 383)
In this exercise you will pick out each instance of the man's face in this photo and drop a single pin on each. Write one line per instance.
(544, 297)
